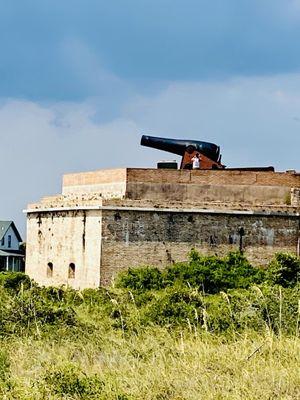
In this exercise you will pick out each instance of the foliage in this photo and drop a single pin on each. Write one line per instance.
(145, 278)
(257, 308)
(218, 294)
(213, 293)
(32, 311)
(15, 280)
(175, 306)
(69, 380)
(284, 270)
(210, 273)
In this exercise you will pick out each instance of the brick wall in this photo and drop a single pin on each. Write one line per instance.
(132, 238)
(110, 183)
(205, 193)
(266, 188)
(224, 177)
(247, 187)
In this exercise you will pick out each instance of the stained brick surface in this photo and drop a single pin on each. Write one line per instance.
(156, 238)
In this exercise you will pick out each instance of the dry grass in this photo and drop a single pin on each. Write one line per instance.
(158, 364)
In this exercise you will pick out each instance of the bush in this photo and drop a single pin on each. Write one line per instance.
(258, 309)
(146, 278)
(219, 294)
(174, 306)
(31, 311)
(284, 270)
(71, 381)
(214, 274)
(210, 273)
(15, 280)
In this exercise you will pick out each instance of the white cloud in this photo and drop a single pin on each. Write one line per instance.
(41, 143)
(255, 120)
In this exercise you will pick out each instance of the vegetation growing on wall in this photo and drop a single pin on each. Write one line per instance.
(214, 326)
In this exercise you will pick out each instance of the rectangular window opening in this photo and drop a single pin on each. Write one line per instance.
(49, 270)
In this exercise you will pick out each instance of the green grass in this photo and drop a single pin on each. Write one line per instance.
(158, 335)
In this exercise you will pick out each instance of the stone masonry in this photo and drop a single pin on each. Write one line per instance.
(106, 221)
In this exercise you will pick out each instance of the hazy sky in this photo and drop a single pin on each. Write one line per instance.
(79, 77)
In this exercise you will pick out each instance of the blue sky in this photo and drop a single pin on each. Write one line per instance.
(47, 46)
(80, 76)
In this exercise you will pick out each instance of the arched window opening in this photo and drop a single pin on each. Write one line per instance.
(72, 271)
(49, 270)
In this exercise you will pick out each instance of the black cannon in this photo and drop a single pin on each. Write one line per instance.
(210, 152)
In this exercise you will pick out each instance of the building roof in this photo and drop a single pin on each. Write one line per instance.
(5, 225)
(9, 254)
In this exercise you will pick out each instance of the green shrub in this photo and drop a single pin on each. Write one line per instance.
(210, 273)
(284, 270)
(31, 311)
(218, 294)
(214, 274)
(280, 308)
(70, 381)
(256, 308)
(173, 306)
(146, 278)
(32, 307)
(15, 280)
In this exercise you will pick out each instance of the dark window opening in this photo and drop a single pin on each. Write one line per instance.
(117, 216)
(9, 241)
(72, 271)
(49, 270)
(190, 218)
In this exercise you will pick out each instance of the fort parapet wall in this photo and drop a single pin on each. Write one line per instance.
(245, 187)
(110, 182)
(108, 220)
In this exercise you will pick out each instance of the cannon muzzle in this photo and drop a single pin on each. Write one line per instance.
(178, 146)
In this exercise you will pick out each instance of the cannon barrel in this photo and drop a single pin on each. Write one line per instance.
(178, 146)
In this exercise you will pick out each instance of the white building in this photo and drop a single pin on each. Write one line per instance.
(11, 256)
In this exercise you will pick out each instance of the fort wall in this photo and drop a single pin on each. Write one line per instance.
(245, 187)
(107, 221)
(217, 177)
(132, 238)
(62, 238)
(248, 187)
(110, 182)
